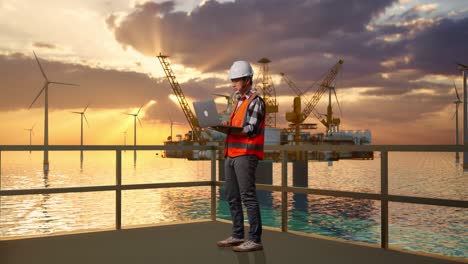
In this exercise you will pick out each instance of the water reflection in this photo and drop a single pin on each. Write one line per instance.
(353, 219)
(45, 228)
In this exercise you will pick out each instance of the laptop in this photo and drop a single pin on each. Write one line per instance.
(208, 117)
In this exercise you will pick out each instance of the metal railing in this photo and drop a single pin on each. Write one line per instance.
(384, 197)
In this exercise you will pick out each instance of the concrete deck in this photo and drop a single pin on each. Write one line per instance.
(193, 243)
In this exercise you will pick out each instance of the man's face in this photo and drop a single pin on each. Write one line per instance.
(238, 84)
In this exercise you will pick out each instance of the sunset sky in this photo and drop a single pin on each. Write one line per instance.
(397, 79)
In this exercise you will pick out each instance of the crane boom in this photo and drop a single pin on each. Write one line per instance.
(191, 118)
(298, 92)
(291, 84)
(324, 85)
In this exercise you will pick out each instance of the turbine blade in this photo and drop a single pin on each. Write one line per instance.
(338, 102)
(86, 108)
(62, 83)
(454, 115)
(139, 110)
(86, 119)
(456, 91)
(40, 92)
(139, 121)
(75, 112)
(33, 126)
(461, 65)
(40, 66)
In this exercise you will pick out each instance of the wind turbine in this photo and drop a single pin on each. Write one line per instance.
(135, 117)
(30, 133)
(463, 68)
(457, 104)
(81, 142)
(45, 89)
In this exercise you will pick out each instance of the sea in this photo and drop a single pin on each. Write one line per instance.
(422, 228)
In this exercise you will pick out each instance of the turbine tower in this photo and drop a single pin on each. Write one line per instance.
(463, 68)
(45, 89)
(30, 133)
(125, 138)
(81, 141)
(135, 117)
(457, 104)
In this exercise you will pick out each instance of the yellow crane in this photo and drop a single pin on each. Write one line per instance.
(191, 118)
(298, 116)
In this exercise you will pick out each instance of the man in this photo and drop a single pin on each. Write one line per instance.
(242, 153)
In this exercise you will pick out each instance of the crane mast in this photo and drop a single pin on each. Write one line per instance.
(191, 118)
(298, 116)
(265, 83)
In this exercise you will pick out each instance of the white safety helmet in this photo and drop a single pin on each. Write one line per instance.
(240, 69)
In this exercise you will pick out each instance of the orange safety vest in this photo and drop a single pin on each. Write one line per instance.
(239, 145)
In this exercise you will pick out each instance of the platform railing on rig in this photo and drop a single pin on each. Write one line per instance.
(384, 197)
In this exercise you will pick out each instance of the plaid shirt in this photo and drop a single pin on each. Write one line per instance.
(255, 113)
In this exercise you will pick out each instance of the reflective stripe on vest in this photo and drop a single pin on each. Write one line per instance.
(239, 145)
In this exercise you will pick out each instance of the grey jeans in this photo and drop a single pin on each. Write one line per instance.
(240, 188)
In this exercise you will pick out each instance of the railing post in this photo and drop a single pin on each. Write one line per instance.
(284, 192)
(213, 184)
(0, 169)
(384, 198)
(118, 190)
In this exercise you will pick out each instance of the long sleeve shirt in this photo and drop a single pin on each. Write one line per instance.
(255, 113)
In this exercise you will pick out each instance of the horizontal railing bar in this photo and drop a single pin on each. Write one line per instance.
(103, 147)
(335, 193)
(263, 187)
(58, 190)
(266, 187)
(396, 148)
(165, 185)
(360, 195)
(428, 201)
(103, 188)
(291, 148)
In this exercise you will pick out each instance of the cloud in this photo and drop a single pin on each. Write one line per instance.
(44, 45)
(298, 37)
(436, 49)
(215, 34)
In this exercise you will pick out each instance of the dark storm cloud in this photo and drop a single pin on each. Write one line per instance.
(215, 34)
(295, 35)
(105, 89)
(436, 49)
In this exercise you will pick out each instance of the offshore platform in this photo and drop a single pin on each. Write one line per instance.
(297, 132)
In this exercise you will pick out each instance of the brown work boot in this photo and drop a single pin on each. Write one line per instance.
(230, 241)
(247, 246)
